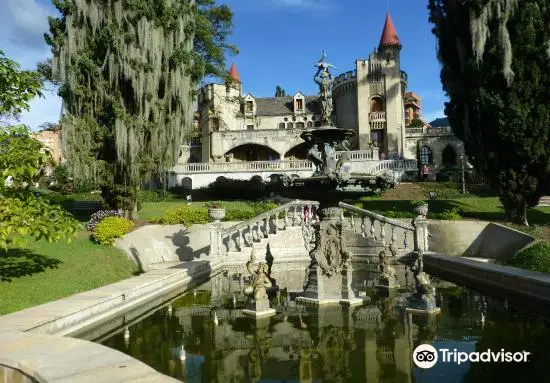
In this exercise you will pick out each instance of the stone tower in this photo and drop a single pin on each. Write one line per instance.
(380, 86)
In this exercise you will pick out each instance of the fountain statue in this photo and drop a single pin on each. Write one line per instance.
(258, 301)
(388, 277)
(324, 79)
(423, 300)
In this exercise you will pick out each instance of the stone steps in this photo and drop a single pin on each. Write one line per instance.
(544, 201)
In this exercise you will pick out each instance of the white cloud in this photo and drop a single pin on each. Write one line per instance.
(310, 4)
(22, 27)
(24, 23)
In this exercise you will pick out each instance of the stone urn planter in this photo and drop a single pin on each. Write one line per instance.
(216, 214)
(421, 209)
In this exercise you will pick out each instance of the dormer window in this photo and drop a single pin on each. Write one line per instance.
(298, 103)
(249, 105)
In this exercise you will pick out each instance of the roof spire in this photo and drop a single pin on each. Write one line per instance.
(389, 35)
(233, 74)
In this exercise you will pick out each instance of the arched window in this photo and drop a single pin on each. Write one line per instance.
(448, 156)
(425, 155)
(376, 104)
(310, 124)
(282, 125)
(299, 125)
(289, 125)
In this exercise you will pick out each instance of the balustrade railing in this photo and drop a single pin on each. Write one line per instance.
(251, 166)
(245, 166)
(375, 225)
(442, 131)
(245, 234)
(392, 165)
(260, 133)
(377, 116)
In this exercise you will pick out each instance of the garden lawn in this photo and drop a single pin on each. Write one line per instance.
(57, 270)
(157, 209)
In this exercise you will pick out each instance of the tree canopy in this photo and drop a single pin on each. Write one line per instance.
(495, 59)
(22, 158)
(279, 92)
(128, 70)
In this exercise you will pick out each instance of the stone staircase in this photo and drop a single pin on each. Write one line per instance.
(285, 234)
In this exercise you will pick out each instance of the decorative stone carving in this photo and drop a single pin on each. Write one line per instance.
(258, 302)
(423, 300)
(388, 276)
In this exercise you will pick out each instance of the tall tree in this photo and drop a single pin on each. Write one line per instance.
(495, 59)
(128, 70)
(279, 92)
(22, 214)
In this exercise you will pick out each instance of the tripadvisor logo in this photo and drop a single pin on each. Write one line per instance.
(426, 356)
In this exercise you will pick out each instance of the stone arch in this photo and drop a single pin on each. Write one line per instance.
(376, 104)
(252, 152)
(298, 152)
(187, 183)
(448, 156)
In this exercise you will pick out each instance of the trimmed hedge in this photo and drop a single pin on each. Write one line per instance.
(186, 215)
(534, 258)
(111, 228)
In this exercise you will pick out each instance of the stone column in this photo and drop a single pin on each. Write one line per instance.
(420, 234)
(215, 240)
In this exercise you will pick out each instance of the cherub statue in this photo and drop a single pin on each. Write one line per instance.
(259, 279)
(387, 272)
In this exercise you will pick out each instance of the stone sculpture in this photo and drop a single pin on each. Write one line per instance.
(324, 79)
(258, 301)
(388, 276)
(423, 299)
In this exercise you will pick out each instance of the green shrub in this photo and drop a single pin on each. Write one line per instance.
(186, 215)
(251, 211)
(451, 214)
(534, 258)
(155, 220)
(111, 228)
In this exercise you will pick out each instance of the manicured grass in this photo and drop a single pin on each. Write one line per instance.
(45, 272)
(157, 209)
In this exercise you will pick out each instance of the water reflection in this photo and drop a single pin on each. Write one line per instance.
(203, 337)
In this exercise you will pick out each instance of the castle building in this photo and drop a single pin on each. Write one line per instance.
(371, 100)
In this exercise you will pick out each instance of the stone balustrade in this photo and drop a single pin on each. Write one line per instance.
(396, 165)
(245, 166)
(377, 116)
(245, 234)
(374, 225)
(428, 131)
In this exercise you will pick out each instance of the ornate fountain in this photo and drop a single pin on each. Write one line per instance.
(328, 278)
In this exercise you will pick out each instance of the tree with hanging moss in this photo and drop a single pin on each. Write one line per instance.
(127, 71)
(495, 57)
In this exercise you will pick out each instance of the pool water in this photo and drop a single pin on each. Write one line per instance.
(203, 337)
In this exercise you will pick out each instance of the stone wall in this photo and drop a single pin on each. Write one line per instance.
(476, 239)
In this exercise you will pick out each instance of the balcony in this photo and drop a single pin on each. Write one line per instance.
(377, 120)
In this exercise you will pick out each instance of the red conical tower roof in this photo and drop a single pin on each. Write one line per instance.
(233, 74)
(389, 35)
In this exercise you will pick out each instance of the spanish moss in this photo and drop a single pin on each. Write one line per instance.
(126, 72)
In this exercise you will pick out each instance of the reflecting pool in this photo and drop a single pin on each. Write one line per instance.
(203, 337)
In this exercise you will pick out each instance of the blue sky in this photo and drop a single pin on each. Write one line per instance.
(279, 43)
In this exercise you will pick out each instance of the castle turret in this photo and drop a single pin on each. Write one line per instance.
(233, 83)
(389, 54)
